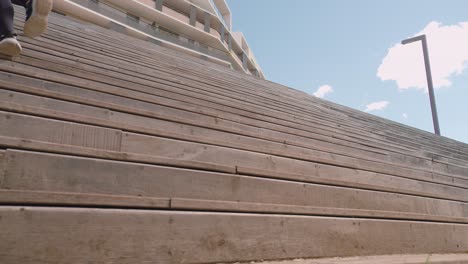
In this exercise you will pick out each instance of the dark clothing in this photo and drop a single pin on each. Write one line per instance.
(6, 15)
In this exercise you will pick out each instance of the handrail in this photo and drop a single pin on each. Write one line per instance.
(122, 12)
(112, 12)
(69, 7)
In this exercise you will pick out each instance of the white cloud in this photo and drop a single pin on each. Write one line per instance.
(405, 115)
(448, 53)
(381, 105)
(322, 91)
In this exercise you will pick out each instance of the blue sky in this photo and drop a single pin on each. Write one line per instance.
(306, 44)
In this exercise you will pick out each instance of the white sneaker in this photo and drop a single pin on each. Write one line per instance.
(9, 46)
(37, 12)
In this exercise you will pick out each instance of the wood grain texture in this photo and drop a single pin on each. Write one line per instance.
(30, 171)
(116, 150)
(63, 133)
(132, 236)
(386, 259)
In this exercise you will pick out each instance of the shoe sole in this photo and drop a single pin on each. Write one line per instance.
(10, 47)
(37, 23)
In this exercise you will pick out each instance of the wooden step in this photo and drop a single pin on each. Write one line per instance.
(77, 235)
(64, 133)
(40, 172)
(388, 259)
(144, 148)
(116, 150)
(190, 132)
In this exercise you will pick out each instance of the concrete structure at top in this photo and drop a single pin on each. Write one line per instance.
(201, 28)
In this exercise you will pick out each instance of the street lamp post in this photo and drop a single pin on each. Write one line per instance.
(430, 85)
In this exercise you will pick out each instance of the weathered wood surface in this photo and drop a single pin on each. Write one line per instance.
(18, 102)
(57, 173)
(87, 200)
(109, 235)
(115, 150)
(63, 133)
(387, 259)
(397, 159)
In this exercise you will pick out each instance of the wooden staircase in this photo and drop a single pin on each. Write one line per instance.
(115, 150)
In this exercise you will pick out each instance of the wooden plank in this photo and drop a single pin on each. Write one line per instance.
(398, 160)
(450, 169)
(21, 197)
(264, 134)
(43, 101)
(146, 145)
(188, 133)
(409, 186)
(64, 133)
(30, 171)
(226, 206)
(139, 157)
(189, 237)
(388, 259)
(338, 122)
(26, 144)
(2, 166)
(278, 102)
(325, 174)
(41, 198)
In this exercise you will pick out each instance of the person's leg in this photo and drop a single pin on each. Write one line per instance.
(20, 2)
(6, 18)
(8, 44)
(37, 12)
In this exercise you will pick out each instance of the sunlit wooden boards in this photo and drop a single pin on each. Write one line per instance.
(80, 235)
(115, 150)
